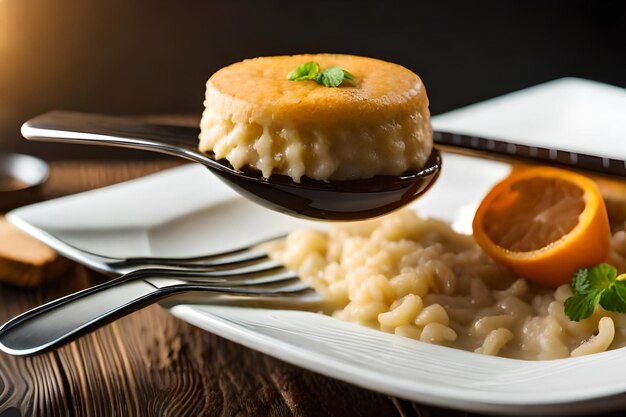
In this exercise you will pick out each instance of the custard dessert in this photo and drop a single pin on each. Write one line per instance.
(375, 123)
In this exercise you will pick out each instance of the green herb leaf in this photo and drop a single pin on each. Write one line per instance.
(602, 275)
(593, 286)
(580, 282)
(580, 307)
(611, 301)
(330, 77)
(347, 77)
(620, 289)
(306, 71)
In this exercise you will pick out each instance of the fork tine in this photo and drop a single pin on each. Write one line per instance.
(256, 268)
(215, 261)
(224, 259)
(293, 286)
(265, 277)
(277, 276)
(212, 275)
(242, 256)
(289, 290)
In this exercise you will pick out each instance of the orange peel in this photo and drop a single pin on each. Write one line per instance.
(544, 224)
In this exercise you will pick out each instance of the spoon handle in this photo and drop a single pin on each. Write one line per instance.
(97, 129)
(515, 152)
(182, 141)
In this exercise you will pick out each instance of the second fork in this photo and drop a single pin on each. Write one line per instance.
(61, 321)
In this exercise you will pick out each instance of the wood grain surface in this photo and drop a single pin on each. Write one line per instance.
(152, 364)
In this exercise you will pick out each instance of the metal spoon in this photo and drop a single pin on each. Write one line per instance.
(333, 200)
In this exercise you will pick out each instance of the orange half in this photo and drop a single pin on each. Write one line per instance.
(544, 224)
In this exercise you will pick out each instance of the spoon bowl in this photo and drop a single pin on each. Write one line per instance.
(326, 200)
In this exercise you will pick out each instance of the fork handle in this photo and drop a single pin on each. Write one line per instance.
(63, 320)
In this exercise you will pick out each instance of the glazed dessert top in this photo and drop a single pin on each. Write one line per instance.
(258, 91)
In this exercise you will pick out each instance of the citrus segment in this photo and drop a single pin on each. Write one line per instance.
(544, 224)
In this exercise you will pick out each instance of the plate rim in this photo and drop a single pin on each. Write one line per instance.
(263, 343)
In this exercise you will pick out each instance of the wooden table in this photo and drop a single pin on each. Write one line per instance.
(152, 364)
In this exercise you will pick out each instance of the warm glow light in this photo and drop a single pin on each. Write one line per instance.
(6, 56)
(4, 29)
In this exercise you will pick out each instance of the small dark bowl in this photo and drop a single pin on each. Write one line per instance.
(21, 178)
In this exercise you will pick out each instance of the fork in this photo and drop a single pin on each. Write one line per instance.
(259, 281)
(118, 265)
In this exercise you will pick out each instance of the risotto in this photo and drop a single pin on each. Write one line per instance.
(420, 279)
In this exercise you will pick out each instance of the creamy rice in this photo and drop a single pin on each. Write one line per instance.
(420, 279)
(335, 151)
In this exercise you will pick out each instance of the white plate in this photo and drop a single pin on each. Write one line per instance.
(186, 211)
(569, 113)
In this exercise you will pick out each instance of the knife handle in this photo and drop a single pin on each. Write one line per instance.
(63, 320)
(515, 152)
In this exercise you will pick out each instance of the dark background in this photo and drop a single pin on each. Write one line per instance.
(154, 56)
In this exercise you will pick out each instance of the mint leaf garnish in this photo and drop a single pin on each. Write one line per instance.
(602, 275)
(580, 282)
(580, 307)
(611, 301)
(620, 288)
(306, 71)
(597, 285)
(348, 77)
(330, 77)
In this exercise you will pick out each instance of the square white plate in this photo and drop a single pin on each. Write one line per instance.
(571, 114)
(186, 211)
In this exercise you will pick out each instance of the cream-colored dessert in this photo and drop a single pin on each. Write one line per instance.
(378, 125)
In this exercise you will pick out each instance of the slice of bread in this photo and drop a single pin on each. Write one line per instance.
(24, 261)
